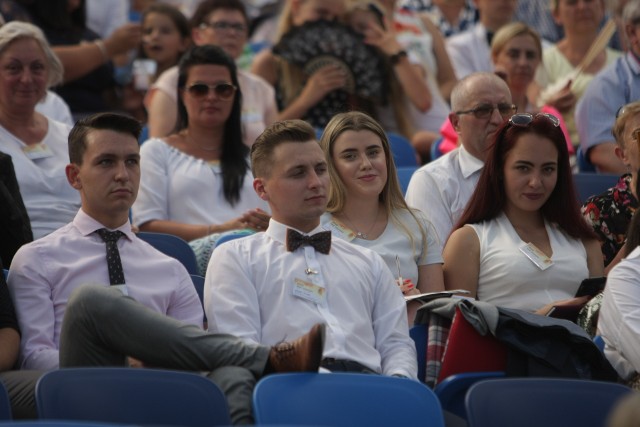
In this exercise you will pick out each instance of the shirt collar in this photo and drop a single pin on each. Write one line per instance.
(87, 225)
(278, 231)
(469, 164)
(634, 62)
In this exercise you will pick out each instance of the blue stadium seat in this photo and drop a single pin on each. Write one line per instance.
(173, 246)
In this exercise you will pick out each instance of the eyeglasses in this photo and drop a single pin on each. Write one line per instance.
(222, 26)
(224, 91)
(525, 119)
(484, 111)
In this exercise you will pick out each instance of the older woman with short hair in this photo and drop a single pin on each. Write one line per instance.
(37, 144)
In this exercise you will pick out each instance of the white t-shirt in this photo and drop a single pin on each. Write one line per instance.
(50, 201)
(393, 241)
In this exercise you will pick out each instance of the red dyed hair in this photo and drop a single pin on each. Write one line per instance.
(489, 197)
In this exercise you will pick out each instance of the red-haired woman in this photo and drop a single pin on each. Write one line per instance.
(521, 242)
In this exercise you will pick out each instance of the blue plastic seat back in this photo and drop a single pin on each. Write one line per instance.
(61, 423)
(435, 149)
(5, 404)
(452, 390)
(584, 165)
(345, 400)
(233, 235)
(173, 246)
(591, 184)
(535, 402)
(198, 283)
(403, 152)
(404, 176)
(146, 397)
(419, 335)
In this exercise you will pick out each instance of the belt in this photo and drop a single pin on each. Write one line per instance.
(344, 365)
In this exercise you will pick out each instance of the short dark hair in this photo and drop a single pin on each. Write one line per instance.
(100, 121)
(207, 7)
(275, 134)
(489, 198)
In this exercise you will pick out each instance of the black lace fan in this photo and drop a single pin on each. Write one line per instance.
(322, 42)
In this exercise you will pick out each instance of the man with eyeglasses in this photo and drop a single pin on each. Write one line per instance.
(613, 87)
(223, 23)
(480, 103)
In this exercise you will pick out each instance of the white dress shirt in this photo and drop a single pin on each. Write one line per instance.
(442, 188)
(619, 318)
(250, 287)
(469, 51)
(46, 271)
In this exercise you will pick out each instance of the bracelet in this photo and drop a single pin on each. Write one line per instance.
(396, 57)
(103, 49)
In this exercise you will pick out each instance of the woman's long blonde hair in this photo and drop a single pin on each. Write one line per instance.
(391, 197)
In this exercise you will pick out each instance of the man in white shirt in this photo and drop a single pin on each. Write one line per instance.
(480, 103)
(266, 287)
(469, 50)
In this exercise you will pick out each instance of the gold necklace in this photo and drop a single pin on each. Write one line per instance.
(360, 234)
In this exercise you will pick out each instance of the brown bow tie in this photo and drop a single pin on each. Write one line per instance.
(321, 242)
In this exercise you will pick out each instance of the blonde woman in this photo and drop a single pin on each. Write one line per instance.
(366, 206)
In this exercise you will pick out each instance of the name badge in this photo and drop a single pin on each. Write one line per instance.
(536, 256)
(37, 151)
(341, 230)
(309, 291)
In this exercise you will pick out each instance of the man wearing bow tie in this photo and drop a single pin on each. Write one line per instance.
(273, 285)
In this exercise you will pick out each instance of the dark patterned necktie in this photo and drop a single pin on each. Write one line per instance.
(321, 242)
(116, 274)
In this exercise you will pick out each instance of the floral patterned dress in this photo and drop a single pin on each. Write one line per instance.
(609, 214)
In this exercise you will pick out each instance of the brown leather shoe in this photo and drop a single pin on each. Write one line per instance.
(301, 355)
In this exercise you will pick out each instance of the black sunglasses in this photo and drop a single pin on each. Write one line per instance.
(224, 91)
(484, 111)
(525, 119)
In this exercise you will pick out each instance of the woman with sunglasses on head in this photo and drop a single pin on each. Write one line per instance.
(521, 242)
(366, 206)
(197, 181)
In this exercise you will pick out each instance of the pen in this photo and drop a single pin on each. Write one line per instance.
(398, 267)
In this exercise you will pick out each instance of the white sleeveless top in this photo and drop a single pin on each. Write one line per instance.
(509, 279)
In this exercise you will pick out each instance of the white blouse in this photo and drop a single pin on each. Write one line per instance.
(508, 278)
(176, 186)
